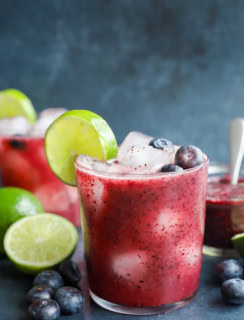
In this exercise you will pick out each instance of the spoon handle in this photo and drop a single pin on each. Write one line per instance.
(236, 136)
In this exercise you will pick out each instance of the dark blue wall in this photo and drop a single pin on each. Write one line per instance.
(172, 68)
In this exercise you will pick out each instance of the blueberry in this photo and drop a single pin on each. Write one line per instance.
(161, 143)
(232, 291)
(69, 299)
(50, 278)
(39, 292)
(171, 168)
(70, 272)
(228, 269)
(44, 309)
(189, 157)
(17, 144)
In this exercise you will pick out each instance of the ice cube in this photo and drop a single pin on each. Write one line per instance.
(133, 138)
(53, 196)
(167, 221)
(117, 167)
(146, 159)
(14, 126)
(53, 113)
(111, 166)
(92, 163)
(131, 265)
(44, 120)
(189, 253)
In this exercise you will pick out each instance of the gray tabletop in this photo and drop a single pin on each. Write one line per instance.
(207, 305)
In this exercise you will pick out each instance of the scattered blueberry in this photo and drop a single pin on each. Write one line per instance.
(44, 309)
(69, 299)
(17, 144)
(70, 272)
(39, 292)
(161, 143)
(228, 269)
(189, 157)
(232, 291)
(50, 278)
(171, 168)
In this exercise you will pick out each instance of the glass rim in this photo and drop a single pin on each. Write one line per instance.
(138, 176)
(219, 170)
(21, 137)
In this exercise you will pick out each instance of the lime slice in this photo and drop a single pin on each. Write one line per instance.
(15, 203)
(40, 242)
(77, 132)
(238, 243)
(14, 103)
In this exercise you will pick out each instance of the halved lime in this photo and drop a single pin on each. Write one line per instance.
(14, 103)
(40, 242)
(77, 132)
(238, 243)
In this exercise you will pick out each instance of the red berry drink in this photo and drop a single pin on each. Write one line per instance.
(142, 230)
(23, 164)
(224, 211)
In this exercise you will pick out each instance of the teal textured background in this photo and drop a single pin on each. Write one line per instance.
(167, 68)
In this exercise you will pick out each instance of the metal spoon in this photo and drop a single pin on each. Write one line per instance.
(236, 139)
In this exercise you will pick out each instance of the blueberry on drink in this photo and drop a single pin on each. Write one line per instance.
(232, 291)
(70, 272)
(171, 168)
(17, 144)
(161, 143)
(189, 157)
(228, 269)
(50, 278)
(69, 299)
(44, 309)
(39, 292)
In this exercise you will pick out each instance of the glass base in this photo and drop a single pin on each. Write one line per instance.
(140, 311)
(218, 252)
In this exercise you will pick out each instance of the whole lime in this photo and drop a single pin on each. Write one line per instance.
(15, 203)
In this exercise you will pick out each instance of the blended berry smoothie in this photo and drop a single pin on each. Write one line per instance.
(224, 211)
(143, 233)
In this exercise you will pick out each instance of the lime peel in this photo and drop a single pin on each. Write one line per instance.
(238, 243)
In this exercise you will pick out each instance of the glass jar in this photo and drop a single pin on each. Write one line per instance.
(224, 210)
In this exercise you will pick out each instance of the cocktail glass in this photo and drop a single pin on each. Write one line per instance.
(143, 237)
(23, 164)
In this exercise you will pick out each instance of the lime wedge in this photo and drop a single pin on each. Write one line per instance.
(14, 103)
(40, 242)
(238, 243)
(77, 132)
